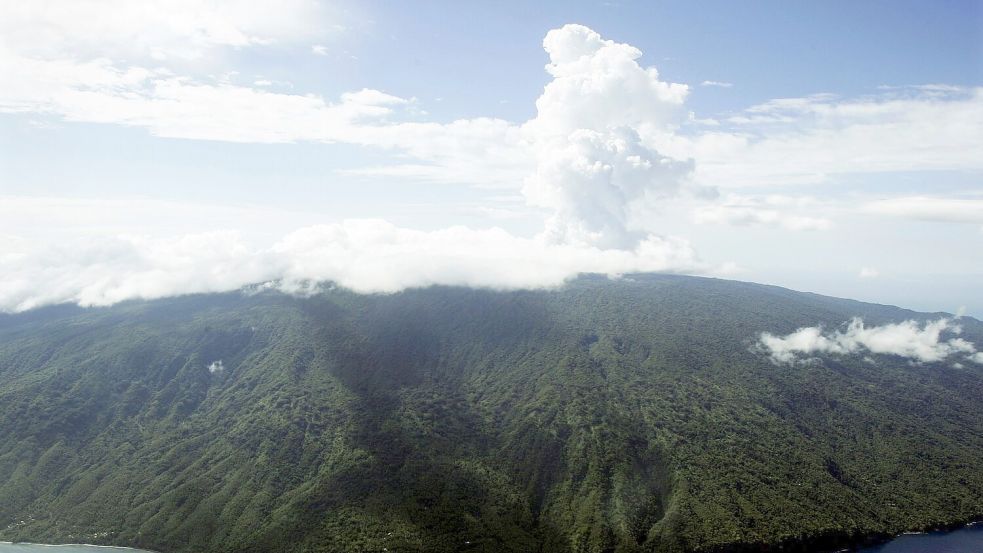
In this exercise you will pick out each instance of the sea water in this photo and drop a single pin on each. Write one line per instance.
(964, 540)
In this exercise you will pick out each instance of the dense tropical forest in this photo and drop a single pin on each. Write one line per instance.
(608, 416)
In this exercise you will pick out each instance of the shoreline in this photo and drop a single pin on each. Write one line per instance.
(76, 545)
(872, 540)
(838, 542)
(846, 546)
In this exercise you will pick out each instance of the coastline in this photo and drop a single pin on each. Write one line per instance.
(831, 543)
(76, 545)
(837, 541)
(874, 540)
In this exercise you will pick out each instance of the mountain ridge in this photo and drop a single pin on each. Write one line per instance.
(607, 415)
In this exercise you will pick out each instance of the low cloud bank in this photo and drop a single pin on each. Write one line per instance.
(919, 342)
(367, 255)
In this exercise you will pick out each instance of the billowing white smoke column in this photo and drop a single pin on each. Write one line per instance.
(591, 162)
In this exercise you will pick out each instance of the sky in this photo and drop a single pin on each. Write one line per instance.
(150, 149)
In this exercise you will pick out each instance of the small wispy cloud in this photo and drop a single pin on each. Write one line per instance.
(927, 208)
(319, 50)
(909, 339)
(869, 272)
(805, 140)
(718, 84)
(789, 213)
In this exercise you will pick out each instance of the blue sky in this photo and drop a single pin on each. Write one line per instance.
(164, 148)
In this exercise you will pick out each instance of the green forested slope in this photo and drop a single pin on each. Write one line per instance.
(628, 415)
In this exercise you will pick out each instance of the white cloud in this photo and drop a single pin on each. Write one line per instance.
(120, 62)
(606, 138)
(925, 208)
(598, 84)
(59, 219)
(591, 179)
(718, 84)
(920, 342)
(977, 357)
(804, 140)
(775, 211)
(363, 255)
(319, 50)
(588, 167)
(375, 256)
(592, 115)
(481, 151)
(869, 272)
(499, 213)
(216, 367)
(55, 62)
(177, 107)
(163, 29)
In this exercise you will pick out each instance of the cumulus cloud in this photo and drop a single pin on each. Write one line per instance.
(362, 255)
(920, 342)
(775, 211)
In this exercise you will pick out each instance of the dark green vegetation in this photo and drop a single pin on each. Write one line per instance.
(621, 416)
